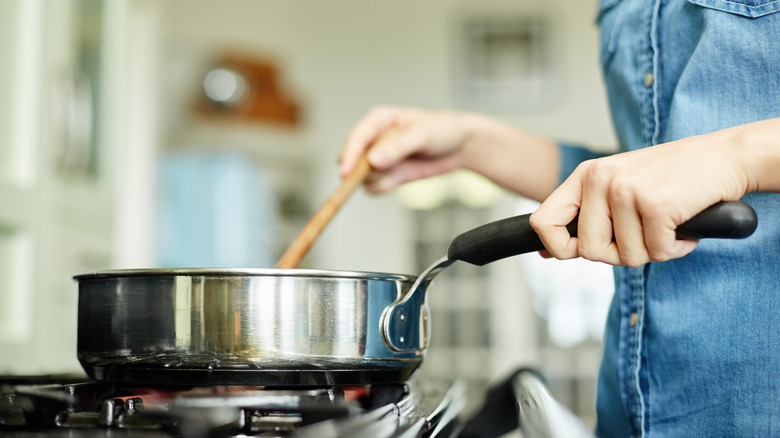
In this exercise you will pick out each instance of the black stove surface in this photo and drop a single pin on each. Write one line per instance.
(69, 406)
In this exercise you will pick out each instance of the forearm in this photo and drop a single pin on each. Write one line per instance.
(514, 159)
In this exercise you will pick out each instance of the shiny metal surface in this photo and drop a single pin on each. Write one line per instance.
(240, 326)
(405, 323)
(541, 416)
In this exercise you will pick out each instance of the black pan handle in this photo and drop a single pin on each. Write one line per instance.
(514, 235)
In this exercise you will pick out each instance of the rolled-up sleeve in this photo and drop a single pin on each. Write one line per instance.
(571, 156)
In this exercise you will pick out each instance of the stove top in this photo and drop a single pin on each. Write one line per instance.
(72, 406)
(67, 406)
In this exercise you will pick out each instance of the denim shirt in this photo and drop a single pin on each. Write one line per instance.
(692, 346)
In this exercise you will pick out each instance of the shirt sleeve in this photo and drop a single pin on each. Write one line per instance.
(571, 156)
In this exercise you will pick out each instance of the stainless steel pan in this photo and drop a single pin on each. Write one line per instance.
(290, 327)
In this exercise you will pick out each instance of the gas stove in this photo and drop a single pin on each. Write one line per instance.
(72, 406)
(67, 406)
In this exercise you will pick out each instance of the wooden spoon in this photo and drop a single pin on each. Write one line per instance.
(300, 246)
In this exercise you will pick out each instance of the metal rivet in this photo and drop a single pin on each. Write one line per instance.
(401, 339)
(633, 319)
(649, 79)
(401, 316)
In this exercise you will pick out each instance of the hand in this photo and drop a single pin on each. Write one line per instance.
(430, 143)
(630, 204)
(427, 144)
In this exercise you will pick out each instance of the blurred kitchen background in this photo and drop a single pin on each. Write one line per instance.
(187, 133)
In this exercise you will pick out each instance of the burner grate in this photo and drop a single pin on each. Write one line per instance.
(56, 406)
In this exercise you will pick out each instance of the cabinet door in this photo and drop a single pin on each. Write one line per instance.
(21, 29)
(56, 214)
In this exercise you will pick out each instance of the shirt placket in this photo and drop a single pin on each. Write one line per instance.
(647, 83)
(633, 320)
(649, 76)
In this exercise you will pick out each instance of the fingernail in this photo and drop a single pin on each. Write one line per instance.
(382, 184)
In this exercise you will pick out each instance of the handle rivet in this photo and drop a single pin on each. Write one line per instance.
(401, 339)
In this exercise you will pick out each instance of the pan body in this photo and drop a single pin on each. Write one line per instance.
(240, 327)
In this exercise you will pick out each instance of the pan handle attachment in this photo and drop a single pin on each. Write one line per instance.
(400, 331)
(514, 236)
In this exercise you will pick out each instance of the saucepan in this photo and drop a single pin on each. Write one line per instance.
(292, 327)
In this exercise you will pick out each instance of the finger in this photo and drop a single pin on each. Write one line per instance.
(595, 228)
(408, 142)
(628, 229)
(681, 248)
(661, 240)
(558, 210)
(380, 182)
(409, 170)
(365, 132)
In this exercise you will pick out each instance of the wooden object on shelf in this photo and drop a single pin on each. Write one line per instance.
(262, 97)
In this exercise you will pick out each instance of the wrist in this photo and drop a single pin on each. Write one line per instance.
(512, 158)
(488, 144)
(475, 135)
(757, 151)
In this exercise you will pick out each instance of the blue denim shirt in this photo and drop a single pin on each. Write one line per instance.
(692, 346)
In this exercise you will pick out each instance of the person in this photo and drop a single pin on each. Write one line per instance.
(692, 341)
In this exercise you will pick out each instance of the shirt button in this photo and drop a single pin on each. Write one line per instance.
(649, 79)
(633, 319)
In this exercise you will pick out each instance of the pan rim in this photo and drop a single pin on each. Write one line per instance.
(242, 272)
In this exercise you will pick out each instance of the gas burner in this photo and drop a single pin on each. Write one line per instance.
(64, 405)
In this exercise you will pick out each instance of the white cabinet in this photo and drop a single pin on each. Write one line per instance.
(60, 140)
(19, 191)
